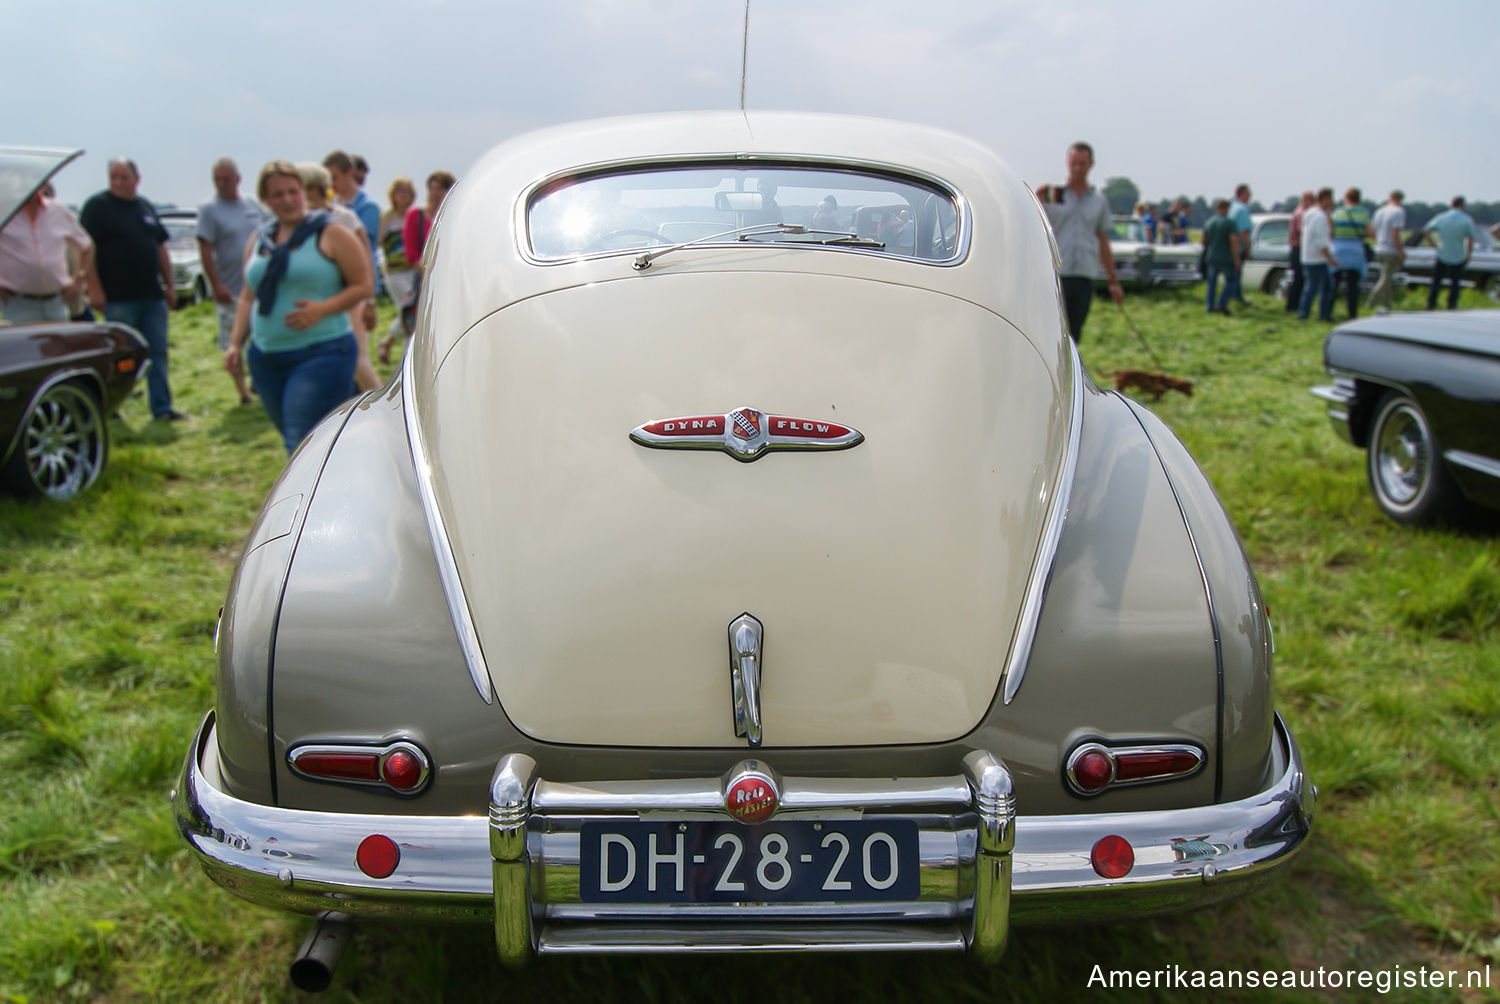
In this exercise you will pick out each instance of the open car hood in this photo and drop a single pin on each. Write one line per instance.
(602, 575)
(23, 170)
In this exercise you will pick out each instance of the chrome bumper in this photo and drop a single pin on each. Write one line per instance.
(982, 867)
(1341, 398)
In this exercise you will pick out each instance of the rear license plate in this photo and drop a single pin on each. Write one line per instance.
(792, 861)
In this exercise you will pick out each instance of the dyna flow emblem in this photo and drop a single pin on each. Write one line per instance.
(745, 434)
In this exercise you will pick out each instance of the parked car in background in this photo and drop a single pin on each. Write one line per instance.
(1482, 271)
(187, 264)
(1420, 394)
(1142, 264)
(628, 618)
(58, 381)
(1268, 267)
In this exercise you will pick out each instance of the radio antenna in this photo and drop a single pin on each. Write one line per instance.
(744, 55)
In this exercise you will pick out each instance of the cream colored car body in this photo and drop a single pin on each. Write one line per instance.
(480, 561)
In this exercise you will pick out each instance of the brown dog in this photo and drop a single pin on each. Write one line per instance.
(1155, 384)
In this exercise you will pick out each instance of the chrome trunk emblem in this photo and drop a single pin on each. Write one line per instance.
(745, 434)
(746, 637)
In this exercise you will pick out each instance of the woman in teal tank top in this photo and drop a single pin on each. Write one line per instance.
(302, 275)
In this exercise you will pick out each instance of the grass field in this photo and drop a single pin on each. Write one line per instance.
(1388, 645)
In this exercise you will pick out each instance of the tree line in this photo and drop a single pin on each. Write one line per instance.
(1123, 195)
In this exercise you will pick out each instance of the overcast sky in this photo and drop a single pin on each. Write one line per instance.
(1181, 96)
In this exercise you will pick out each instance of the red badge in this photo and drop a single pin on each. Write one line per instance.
(751, 798)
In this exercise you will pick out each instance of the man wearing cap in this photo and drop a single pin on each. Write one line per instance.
(35, 280)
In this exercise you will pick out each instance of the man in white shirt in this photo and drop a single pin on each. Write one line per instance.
(1388, 222)
(1318, 261)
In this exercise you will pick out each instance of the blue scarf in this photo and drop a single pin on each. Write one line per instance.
(281, 254)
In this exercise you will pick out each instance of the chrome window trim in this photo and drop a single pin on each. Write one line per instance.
(521, 223)
(1052, 530)
(442, 549)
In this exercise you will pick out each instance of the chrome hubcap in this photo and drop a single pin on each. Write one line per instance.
(1403, 458)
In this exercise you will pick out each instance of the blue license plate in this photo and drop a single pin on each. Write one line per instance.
(792, 861)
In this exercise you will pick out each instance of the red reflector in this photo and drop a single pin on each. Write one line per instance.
(1159, 763)
(343, 766)
(1112, 857)
(1093, 770)
(124, 365)
(402, 770)
(377, 856)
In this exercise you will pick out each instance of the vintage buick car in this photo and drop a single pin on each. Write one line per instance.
(1142, 264)
(784, 587)
(1419, 393)
(58, 381)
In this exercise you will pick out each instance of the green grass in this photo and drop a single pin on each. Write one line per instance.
(1388, 648)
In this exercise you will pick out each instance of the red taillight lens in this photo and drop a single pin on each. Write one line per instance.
(339, 766)
(1112, 857)
(377, 856)
(1159, 763)
(125, 365)
(1093, 770)
(402, 770)
(400, 766)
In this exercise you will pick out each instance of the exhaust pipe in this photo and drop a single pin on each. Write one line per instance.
(312, 969)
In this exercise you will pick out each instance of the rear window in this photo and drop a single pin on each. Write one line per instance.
(641, 210)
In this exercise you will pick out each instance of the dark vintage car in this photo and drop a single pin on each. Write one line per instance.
(1420, 393)
(58, 381)
(775, 582)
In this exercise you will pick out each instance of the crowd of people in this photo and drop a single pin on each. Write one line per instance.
(294, 275)
(295, 272)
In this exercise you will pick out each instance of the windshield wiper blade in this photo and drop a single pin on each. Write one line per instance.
(847, 240)
(643, 262)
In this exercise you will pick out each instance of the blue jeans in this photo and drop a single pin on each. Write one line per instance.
(149, 317)
(1317, 283)
(299, 387)
(1211, 279)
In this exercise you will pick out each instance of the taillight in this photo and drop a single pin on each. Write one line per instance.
(402, 767)
(1093, 767)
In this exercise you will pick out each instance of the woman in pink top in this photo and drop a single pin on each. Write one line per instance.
(414, 239)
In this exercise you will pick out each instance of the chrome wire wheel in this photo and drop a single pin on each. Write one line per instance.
(1405, 469)
(62, 445)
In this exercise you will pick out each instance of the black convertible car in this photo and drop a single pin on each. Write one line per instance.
(1420, 393)
(58, 382)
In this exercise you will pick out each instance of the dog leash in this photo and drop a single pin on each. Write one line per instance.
(1139, 337)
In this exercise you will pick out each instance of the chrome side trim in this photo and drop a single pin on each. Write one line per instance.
(303, 860)
(442, 549)
(1473, 461)
(1046, 555)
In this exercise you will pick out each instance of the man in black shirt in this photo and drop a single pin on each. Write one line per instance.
(135, 270)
